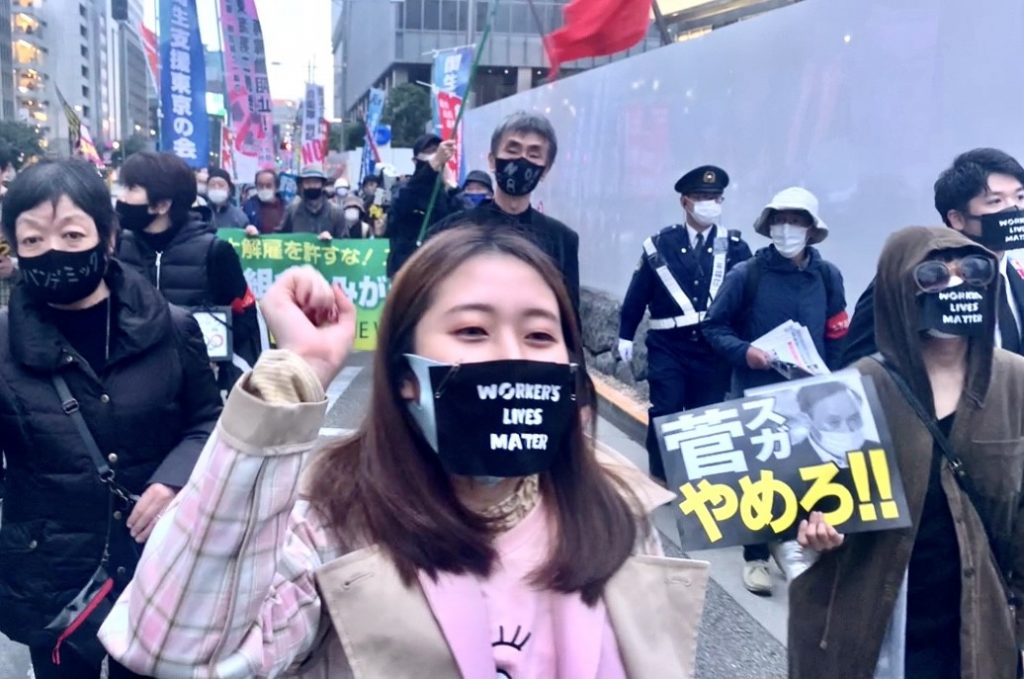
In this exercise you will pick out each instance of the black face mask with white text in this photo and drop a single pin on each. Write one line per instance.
(497, 419)
(962, 310)
(1001, 231)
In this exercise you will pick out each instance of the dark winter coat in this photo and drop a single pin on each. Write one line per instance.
(197, 269)
(150, 411)
(840, 608)
(812, 296)
(554, 238)
(408, 209)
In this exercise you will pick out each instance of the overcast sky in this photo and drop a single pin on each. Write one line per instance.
(296, 33)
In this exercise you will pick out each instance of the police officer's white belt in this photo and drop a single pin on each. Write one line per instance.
(676, 322)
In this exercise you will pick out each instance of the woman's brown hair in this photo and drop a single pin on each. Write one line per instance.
(385, 485)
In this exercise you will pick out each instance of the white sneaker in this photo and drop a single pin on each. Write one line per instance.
(757, 578)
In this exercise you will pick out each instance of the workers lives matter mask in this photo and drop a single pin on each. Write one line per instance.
(961, 310)
(495, 419)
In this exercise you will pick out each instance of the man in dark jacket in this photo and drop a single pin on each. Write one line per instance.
(187, 263)
(266, 209)
(980, 182)
(681, 270)
(410, 202)
(314, 213)
(787, 281)
(523, 150)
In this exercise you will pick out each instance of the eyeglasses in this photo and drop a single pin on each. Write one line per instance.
(936, 276)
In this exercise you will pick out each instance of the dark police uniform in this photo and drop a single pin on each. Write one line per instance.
(678, 284)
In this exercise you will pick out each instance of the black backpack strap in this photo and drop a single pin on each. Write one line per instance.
(751, 282)
(69, 404)
(956, 465)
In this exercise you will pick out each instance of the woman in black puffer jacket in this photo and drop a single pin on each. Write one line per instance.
(139, 371)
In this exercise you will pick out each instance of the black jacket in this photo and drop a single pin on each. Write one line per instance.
(150, 411)
(556, 239)
(196, 269)
(693, 274)
(408, 209)
(812, 296)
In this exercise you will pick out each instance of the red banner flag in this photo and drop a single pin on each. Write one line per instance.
(597, 28)
(149, 42)
(448, 105)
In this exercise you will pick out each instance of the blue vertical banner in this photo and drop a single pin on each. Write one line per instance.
(449, 88)
(185, 128)
(374, 110)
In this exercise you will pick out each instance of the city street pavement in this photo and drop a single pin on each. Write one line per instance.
(741, 637)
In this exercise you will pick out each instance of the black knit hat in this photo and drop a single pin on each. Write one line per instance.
(218, 172)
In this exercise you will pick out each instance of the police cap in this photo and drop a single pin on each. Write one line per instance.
(704, 179)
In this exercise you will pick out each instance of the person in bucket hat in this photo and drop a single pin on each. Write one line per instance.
(314, 213)
(786, 281)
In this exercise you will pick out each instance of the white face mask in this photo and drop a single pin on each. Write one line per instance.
(341, 191)
(266, 195)
(351, 214)
(706, 212)
(789, 239)
(839, 443)
(218, 196)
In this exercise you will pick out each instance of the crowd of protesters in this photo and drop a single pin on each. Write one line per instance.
(138, 472)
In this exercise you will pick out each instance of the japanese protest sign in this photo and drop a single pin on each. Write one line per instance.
(248, 88)
(374, 111)
(185, 128)
(450, 82)
(215, 324)
(313, 133)
(358, 265)
(749, 470)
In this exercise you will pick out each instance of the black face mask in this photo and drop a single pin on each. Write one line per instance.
(517, 176)
(134, 217)
(497, 419)
(312, 194)
(961, 310)
(1001, 231)
(58, 277)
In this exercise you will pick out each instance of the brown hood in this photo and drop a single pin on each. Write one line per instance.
(897, 317)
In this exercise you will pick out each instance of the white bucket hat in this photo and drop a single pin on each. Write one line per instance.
(794, 198)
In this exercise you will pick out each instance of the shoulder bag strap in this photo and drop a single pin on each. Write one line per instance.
(70, 407)
(956, 466)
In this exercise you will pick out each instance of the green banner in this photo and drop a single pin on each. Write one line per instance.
(359, 266)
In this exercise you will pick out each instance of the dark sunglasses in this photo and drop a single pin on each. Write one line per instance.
(935, 276)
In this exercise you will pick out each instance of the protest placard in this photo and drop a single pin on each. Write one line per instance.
(215, 324)
(749, 470)
(359, 266)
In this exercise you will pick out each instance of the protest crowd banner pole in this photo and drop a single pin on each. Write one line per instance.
(458, 119)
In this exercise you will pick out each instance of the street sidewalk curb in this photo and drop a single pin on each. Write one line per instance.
(620, 408)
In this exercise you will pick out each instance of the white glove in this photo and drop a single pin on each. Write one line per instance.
(626, 350)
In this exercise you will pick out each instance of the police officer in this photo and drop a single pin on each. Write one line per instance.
(679, 273)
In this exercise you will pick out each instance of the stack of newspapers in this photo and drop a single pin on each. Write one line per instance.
(793, 352)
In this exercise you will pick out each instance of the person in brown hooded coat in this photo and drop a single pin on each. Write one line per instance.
(958, 619)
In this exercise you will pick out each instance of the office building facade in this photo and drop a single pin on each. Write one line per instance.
(383, 43)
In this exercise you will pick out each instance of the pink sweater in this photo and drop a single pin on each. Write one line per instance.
(534, 634)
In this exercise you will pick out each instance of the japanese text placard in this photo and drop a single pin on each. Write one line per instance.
(747, 471)
(359, 266)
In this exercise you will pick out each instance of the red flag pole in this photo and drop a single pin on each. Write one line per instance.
(458, 119)
(543, 35)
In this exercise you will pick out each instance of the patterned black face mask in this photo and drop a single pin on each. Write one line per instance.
(59, 277)
(517, 176)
